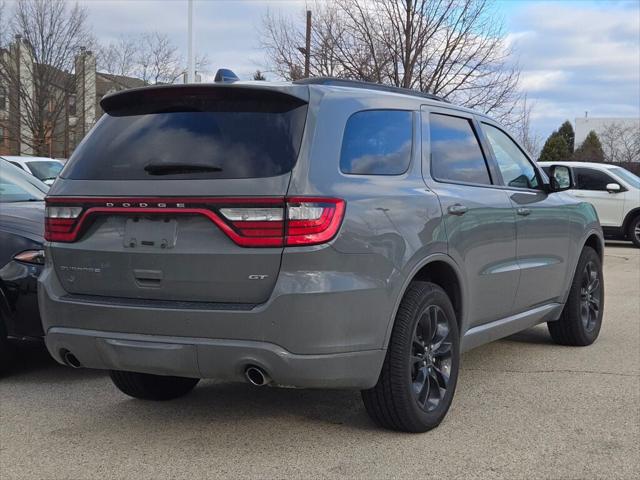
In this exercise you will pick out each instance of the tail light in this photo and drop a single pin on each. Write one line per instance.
(60, 222)
(248, 221)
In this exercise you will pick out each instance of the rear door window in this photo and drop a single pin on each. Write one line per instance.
(456, 155)
(377, 142)
(213, 133)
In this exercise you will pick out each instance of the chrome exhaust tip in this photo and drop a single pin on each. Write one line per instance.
(71, 360)
(256, 376)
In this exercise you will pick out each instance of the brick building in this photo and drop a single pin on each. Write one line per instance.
(80, 91)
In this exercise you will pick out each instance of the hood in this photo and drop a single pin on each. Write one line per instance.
(23, 218)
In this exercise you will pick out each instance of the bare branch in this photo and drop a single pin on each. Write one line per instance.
(453, 48)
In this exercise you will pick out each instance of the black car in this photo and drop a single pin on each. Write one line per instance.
(21, 257)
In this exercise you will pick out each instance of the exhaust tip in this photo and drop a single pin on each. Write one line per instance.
(70, 359)
(256, 376)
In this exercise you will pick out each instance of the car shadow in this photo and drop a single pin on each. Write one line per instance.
(617, 244)
(538, 335)
(214, 402)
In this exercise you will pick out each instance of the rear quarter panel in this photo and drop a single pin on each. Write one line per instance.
(392, 223)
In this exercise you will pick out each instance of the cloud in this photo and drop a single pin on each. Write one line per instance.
(578, 57)
(225, 30)
(575, 56)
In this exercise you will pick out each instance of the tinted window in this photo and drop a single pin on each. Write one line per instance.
(213, 133)
(588, 179)
(515, 167)
(377, 142)
(455, 153)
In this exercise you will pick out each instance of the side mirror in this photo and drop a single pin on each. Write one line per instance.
(560, 178)
(613, 188)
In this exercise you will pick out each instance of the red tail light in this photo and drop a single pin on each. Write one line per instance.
(248, 221)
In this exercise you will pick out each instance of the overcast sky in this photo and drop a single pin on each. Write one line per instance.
(575, 55)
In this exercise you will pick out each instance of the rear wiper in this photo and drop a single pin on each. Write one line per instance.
(178, 168)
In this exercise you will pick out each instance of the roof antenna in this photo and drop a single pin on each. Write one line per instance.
(224, 75)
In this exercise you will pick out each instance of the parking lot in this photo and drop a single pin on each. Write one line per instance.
(524, 408)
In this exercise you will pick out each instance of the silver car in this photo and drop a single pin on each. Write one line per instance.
(321, 233)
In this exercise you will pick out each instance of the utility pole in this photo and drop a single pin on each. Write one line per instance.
(191, 69)
(307, 46)
(306, 50)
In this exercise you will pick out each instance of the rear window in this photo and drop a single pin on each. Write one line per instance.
(192, 134)
(44, 169)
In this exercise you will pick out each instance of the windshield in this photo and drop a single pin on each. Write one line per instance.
(44, 169)
(627, 176)
(14, 188)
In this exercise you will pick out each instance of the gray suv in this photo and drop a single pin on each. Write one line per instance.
(321, 233)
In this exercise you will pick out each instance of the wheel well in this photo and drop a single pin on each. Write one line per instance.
(628, 219)
(443, 275)
(594, 242)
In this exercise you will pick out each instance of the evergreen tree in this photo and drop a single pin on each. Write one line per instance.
(555, 149)
(590, 150)
(566, 130)
(259, 76)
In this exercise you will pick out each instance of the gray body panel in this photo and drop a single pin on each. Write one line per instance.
(324, 315)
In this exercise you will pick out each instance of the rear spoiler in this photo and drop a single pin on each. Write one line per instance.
(205, 97)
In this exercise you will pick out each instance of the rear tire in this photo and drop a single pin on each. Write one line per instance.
(419, 374)
(152, 387)
(581, 319)
(634, 231)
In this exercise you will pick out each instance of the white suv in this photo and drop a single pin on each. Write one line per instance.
(44, 169)
(614, 192)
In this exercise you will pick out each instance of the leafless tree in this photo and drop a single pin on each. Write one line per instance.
(50, 34)
(149, 56)
(158, 59)
(119, 57)
(621, 142)
(452, 48)
(523, 130)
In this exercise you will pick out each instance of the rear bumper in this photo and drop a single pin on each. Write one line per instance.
(219, 359)
(320, 328)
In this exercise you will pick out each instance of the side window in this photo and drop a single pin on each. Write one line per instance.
(456, 155)
(515, 167)
(377, 142)
(588, 179)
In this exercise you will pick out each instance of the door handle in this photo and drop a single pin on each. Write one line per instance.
(523, 211)
(457, 209)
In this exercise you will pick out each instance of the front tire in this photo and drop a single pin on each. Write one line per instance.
(419, 374)
(581, 318)
(634, 231)
(152, 387)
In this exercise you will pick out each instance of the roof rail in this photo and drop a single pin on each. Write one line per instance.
(343, 82)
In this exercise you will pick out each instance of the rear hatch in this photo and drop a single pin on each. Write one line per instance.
(178, 193)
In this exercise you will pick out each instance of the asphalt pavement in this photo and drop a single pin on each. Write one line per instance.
(524, 408)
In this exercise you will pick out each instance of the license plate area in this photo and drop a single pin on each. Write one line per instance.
(150, 233)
